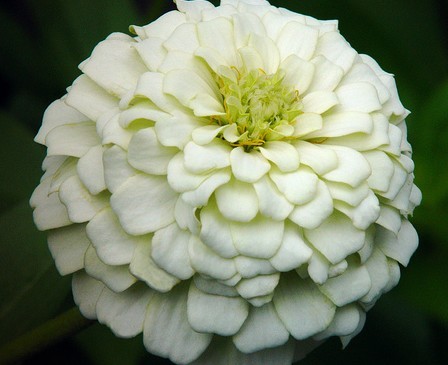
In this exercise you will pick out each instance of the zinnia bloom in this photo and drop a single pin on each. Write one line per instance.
(233, 181)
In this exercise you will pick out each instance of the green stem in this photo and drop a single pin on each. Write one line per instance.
(48, 334)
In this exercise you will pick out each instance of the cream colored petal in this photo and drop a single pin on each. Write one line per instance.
(298, 39)
(282, 154)
(151, 51)
(352, 285)
(91, 171)
(303, 309)
(321, 160)
(215, 231)
(51, 213)
(259, 238)
(327, 75)
(145, 269)
(166, 330)
(72, 139)
(248, 166)
(336, 238)
(299, 187)
(215, 313)
(262, 329)
(144, 204)
(86, 292)
(89, 98)
(359, 97)
(342, 124)
(202, 159)
(399, 248)
(81, 205)
(298, 73)
(207, 262)
(272, 203)
(68, 246)
(345, 322)
(313, 213)
(116, 168)
(146, 154)
(115, 65)
(170, 251)
(258, 286)
(335, 48)
(250, 267)
(319, 102)
(124, 312)
(57, 114)
(237, 201)
(293, 251)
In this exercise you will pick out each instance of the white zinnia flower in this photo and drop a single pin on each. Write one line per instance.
(234, 181)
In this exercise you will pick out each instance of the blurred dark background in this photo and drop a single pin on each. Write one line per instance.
(41, 44)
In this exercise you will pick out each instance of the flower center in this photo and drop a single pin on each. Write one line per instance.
(258, 106)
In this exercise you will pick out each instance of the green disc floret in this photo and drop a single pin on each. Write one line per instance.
(262, 106)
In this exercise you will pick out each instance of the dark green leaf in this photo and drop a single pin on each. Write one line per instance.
(31, 290)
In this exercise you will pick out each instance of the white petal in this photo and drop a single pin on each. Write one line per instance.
(179, 178)
(345, 123)
(299, 39)
(352, 169)
(345, 340)
(303, 309)
(359, 97)
(397, 181)
(214, 287)
(114, 65)
(321, 160)
(218, 34)
(51, 213)
(146, 154)
(345, 322)
(259, 238)
(124, 312)
(184, 37)
(170, 251)
(86, 291)
(390, 218)
(166, 330)
(347, 194)
(365, 214)
(335, 48)
(282, 154)
(262, 329)
(272, 202)
(200, 196)
(258, 286)
(293, 252)
(319, 101)
(204, 135)
(248, 166)
(176, 130)
(201, 159)
(117, 278)
(318, 268)
(336, 238)
(91, 171)
(327, 75)
(215, 232)
(113, 245)
(299, 187)
(237, 201)
(214, 313)
(298, 73)
(57, 114)
(72, 139)
(151, 51)
(116, 168)
(348, 287)
(244, 26)
(144, 204)
(207, 262)
(250, 267)
(268, 52)
(81, 205)
(68, 246)
(306, 123)
(382, 170)
(378, 269)
(399, 248)
(164, 25)
(90, 99)
(313, 213)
